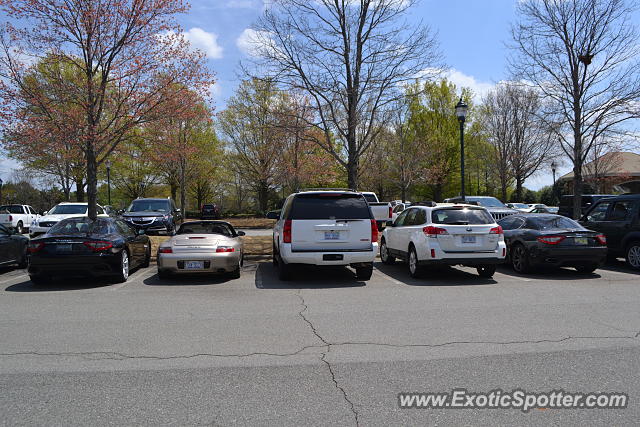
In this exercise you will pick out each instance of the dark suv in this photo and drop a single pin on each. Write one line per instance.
(153, 215)
(587, 200)
(209, 211)
(618, 218)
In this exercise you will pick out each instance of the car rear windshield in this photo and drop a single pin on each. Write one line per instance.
(461, 216)
(487, 202)
(149, 206)
(208, 206)
(329, 206)
(81, 227)
(553, 222)
(11, 209)
(205, 228)
(68, 210)
(370, 198)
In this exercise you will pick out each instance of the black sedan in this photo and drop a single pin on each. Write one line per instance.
(552, 240)
(13, 248)
(106, 247)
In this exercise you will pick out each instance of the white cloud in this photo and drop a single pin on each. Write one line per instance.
(239, 4)
(460, 79)
(204, 41)
(251, 41)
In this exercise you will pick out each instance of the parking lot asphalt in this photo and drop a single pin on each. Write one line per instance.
(323, 349)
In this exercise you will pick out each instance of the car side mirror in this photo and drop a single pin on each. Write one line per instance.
(240, 233)
(390, 224)
(273, 215)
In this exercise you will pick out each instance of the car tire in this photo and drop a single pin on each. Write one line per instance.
(19, 228)
(274, 255)
(284, 271)
(519, 260)
(364, 273)
(40, 280)
(486, 271)
(415, 270)
(147, 257)
(123, 274)
(632, 254)
(384, 253)
(235, 274)
(587, 268)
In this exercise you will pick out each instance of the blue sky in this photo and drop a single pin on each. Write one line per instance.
(472, 34)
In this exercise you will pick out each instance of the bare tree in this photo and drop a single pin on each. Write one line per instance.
(350, 58)
(582, 55)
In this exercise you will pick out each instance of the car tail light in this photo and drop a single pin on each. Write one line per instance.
(602, 239)
(496, 230)
(433, 253)
(225, 249)
(97, 246)
(390, 212)
(432, 231)
(286, 231)
(10, 218)
(550, 240)
(165, 250)
(35, 247)
(374, 231)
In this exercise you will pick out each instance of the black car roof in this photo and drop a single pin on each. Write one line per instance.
(624, 196)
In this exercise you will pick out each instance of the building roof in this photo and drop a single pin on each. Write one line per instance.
(615, 163)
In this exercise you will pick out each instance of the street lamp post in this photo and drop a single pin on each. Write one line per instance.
(108, 165)
(1, 182)
(553, 171)
(461, 113)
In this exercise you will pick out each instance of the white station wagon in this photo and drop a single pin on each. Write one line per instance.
(452, 234)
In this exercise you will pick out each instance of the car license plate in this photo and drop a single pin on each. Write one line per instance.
(581, 240)
(331, 235)
(193, 265)
(64, 248)
(468, 239)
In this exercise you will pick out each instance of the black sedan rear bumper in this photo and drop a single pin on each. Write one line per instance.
(568, 257)
(94, 265)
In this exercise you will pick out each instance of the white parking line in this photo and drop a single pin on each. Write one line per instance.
(11, 278)
(386, 277)
(630, 274)
(138, 278)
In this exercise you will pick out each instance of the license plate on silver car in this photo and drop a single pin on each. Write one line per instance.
(193, 265)
(331, 235)
(468, 239)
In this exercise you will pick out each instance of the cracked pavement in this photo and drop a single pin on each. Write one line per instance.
(323, 349)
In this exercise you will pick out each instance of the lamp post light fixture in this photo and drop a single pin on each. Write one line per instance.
(461, 113)
(108, 165)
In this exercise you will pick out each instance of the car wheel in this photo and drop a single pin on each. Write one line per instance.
(384, 254)
(123, 274)
(235, 274)
(19, 228)
(633, 254)
(364, 273)
(274, 255)
(587, 268)
(486, 271)
(519, 259)
(40, 280)
(414, 268)
(24, 261)
(147, 257)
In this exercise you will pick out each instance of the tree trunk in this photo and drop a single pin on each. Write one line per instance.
(263, 195)
(437, 192)
(352, 172)
(80, 187)
(174, 191)
(577, 168)
(518, 189)
(403, 192)
(503, 188)
(92, 181)
(183, 188)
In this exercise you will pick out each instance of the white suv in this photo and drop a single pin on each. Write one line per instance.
(452, 234)
(325, 227)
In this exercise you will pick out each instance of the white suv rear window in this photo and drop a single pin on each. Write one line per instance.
(329, 206)
(461, 216)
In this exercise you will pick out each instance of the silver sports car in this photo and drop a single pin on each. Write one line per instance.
(202, 247)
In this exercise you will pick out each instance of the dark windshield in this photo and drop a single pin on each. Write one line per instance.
(553, 222)
(206, 228)
(11, 209)
(461, 216)
(329, 206)
(370, 198)
(81, 227)
(487, 202)
(149, 206)
(68, 210)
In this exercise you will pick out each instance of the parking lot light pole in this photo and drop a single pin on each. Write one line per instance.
(1, 182)
(553, 171)
(461, 113)
(108, 165)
